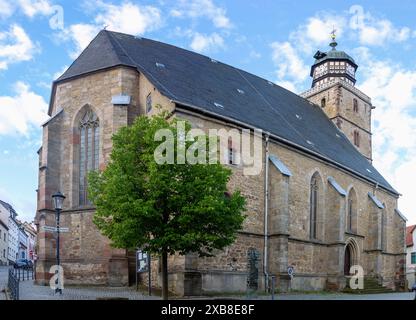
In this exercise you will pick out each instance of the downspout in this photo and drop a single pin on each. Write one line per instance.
(266, 214)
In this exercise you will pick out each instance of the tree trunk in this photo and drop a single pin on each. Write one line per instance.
(164, 275)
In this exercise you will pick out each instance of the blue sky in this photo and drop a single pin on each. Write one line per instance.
(270, 38)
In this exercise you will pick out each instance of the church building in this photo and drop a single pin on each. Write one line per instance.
(318, 207)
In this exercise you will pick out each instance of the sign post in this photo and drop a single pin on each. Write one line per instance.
(290, 272)
(142, 266)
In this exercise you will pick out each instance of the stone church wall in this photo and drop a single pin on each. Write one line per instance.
(318, 263)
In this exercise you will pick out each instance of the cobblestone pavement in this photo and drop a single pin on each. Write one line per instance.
(30, 291)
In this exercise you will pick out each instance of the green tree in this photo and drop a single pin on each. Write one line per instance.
(163, 208)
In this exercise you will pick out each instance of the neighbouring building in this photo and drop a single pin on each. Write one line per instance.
(410, 255)
(30, 230)
(326, 206)
(7, 210)
(23, 242)
(4, 230)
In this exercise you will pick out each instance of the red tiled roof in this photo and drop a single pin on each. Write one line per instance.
(409, 235)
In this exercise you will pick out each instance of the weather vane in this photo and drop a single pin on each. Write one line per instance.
(333, 44)
(333, 35)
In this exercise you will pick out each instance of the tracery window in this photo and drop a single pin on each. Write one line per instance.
(89, 127)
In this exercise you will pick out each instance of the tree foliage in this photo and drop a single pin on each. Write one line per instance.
(172, 208)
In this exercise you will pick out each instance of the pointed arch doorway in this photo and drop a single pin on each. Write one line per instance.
(350, 256)
(347, 260)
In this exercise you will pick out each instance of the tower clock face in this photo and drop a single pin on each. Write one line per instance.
(350, 70)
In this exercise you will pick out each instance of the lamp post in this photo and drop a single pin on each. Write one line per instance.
(58, 199)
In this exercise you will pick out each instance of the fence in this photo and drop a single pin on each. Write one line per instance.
(15, 276)
(13, 285)
(23, 274)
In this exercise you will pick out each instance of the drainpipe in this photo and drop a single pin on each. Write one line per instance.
(266, 215)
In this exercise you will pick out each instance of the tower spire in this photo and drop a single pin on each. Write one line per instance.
(333, 43)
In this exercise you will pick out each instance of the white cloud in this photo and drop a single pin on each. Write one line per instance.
(32, 8)
(81, 34)
(15, 46)
(21, 112)
(291, 69)
(316, 31)
(205, 43)
(127, 18)
(6, 9)
(202, 8)
(373, 31)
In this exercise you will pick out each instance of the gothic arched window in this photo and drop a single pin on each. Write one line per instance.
(89, 130)
(356, 138)
(314, 198)
(355, 103)
(351, 222)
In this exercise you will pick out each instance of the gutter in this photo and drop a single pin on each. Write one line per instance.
(266, 214)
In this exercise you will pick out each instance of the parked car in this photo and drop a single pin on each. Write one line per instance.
(23, 263)
(414, 287)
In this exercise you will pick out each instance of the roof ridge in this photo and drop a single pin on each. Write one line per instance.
(114, 42)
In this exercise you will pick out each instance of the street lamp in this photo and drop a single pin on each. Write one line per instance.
(58, 200)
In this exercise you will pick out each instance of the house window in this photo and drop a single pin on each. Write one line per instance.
(314, 207)
(357, 138)
(413, 258)
(355, 103)
(149, 103)
(323, 103)
(231, 152)
(89, 152)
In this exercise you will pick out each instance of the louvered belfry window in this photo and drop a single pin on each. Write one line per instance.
(313, 207)
(89, 152)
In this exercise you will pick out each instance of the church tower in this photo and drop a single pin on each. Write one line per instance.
(333, 89)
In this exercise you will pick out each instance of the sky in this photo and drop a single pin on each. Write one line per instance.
(275, 39)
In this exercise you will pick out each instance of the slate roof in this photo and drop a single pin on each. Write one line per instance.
(204, 85)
